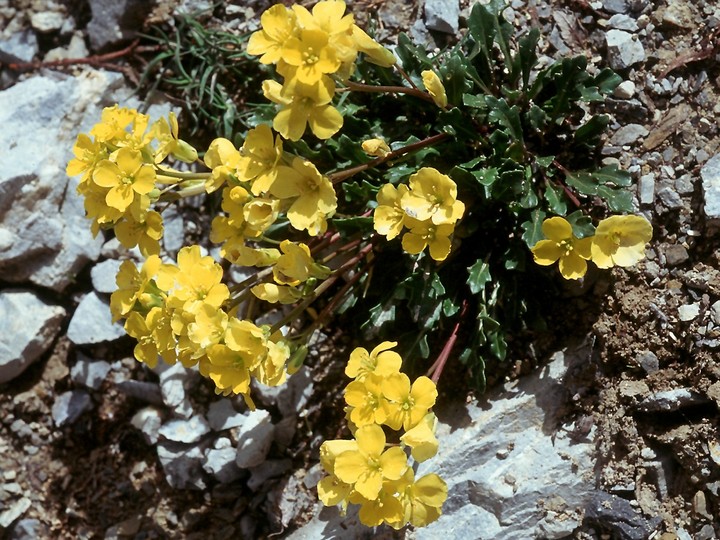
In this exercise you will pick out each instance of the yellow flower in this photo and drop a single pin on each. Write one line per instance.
(166, 133)
(435, 88)
(564, 246)
(368, 466)
(422, 500)
(407, 405)
(229, 364)
(331, 490)
(136, 287)
(197, 282)
(270, 292)
(374, 52)
(87, 154)
(389, 216)
(380, 361)
(620, 241)
(386, 508)
(223, 158)
(311, 55)
(278, 25)
(304, 104)
(315, 198)
(260, 154)
(126, 176)
(296, 265)
(375, 147)
(367, 400)
(146, 350)
(424, 234)
(272, 369)
(433, 196)
(146, 234)
(421, 439)
(208, 328)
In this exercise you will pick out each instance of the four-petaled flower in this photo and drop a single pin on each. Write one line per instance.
(368, 466)
(620, 241)
(562, 245)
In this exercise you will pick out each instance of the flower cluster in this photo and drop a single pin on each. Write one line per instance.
(117, 161)
(362, 471)
(618, 241)
(308, 48)
(175, 312)
(427, 206)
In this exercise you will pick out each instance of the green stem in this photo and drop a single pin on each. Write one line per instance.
(340, 176)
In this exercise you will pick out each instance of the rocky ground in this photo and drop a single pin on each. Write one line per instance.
(615, 436)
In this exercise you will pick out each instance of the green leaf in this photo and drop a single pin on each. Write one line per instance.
(536, 117)
(486, 177)
(555, 198)
(612, 175)
(527, 54)
(424, 347)
(532, 229)
(348, 226)
(475, 101)
(508, 117)
(449, 307)
(606, 81)
(544, 162)
(583, 181)
(454, 78)
(618, 200)
(498, 346)
(581, 224)
(479, 276)
(590, 131)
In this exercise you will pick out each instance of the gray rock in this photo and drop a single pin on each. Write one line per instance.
(220, 462)
(222, 415)
(47, 21)
(624, 49)
(13, 511)
(46, 112)
(103, 276)
(28, 529)
(670, 198)
(710, 174)
(615, 6)
(173, 230)
(623, 22)
(629, 134)
(648, 361)
(92, 322)
(287, 501)
(688, 312)
(115, 20)
(185, 431)
(254, 438)
(21, 45)
(500, 496)
(329, 523)
(175, 380)
(442, 15)
(715, 312)
(646, 188)
(28, 327)
(69, 406)
(272, 468)
(676, 254)
(671, 400)
(285, 430)
(624, 90)
(684, 185)
(88, 372)
(148, 392)
(148, 421)
(294, 394)
(616, 515)
(679, 14)
(182, 464)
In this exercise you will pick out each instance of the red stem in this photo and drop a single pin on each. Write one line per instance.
(437, 368)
